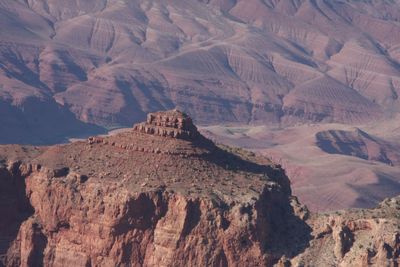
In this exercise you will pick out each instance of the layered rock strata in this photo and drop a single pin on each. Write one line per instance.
(173, 123)
(141, 198)
(144, 199)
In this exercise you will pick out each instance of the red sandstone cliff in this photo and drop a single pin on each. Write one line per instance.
(150, 198)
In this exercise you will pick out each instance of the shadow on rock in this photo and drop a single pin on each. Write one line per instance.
(14, 208)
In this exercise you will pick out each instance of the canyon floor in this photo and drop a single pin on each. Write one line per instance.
(331, 166)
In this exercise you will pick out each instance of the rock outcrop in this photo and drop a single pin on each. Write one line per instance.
(152, 198)
(359, 237)
(158, 195)
(173, 123)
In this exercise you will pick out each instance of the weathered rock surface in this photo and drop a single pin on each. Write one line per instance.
(172, 123)
(140, 199)
(358, 237)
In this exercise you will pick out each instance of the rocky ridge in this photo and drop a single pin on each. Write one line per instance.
(163, 195)
(358, 143)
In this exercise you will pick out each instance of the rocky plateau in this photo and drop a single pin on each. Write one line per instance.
(161, 194)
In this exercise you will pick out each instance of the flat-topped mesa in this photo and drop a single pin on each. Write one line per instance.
(172, 123)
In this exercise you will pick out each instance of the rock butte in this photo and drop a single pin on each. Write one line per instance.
(163, 195)
(169, 123)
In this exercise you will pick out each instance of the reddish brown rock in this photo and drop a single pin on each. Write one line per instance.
(98, 204)
(101, 224)
(358, 237)
(173, 123)
(148, 200)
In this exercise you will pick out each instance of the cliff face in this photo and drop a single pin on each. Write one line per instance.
(144, 198)
(84, 223)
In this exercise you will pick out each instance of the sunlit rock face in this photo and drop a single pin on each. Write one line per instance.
(173, 123)
(143, 198)
(140, 198)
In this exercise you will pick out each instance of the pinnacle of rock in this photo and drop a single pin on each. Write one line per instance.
(172, 123)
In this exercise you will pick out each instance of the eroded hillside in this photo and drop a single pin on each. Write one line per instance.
(110, 62)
